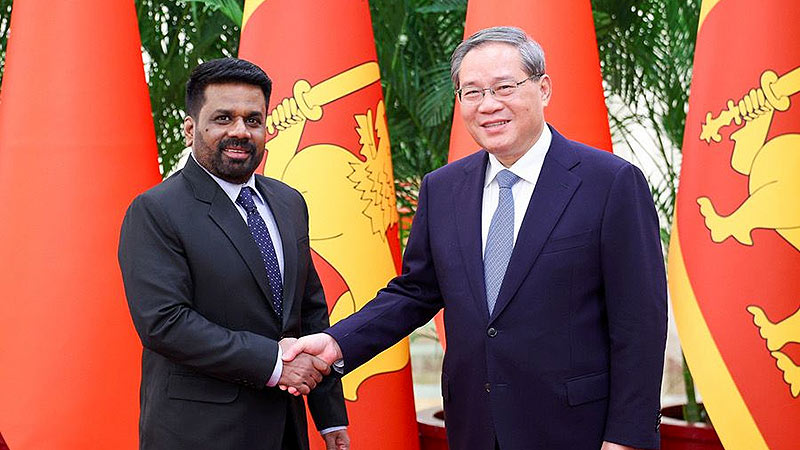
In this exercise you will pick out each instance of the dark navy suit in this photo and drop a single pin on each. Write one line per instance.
(573, 352)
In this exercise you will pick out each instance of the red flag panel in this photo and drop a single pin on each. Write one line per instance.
(76, 144)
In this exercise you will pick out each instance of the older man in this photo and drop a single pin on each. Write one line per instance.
(218, 273)
(545, 255)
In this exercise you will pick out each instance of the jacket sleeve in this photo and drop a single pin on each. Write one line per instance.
(635, 294)
(158, 287)
(406, 303)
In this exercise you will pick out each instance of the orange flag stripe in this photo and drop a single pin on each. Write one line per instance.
(76, 144)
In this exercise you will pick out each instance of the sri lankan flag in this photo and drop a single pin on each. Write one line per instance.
(330, 141)
(734, 262)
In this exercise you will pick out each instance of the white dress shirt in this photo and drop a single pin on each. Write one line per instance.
(527, 168)
(232, 191)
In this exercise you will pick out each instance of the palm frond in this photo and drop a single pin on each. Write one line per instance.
(436, 99)
(414, 40)
(230, 8)
(444, 6)
(646, 51)
(5, 24)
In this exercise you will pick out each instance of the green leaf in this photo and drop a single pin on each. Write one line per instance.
(444, 6)
(230, 8)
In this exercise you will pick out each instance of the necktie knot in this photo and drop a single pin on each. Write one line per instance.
(246, 200)
(506, 178)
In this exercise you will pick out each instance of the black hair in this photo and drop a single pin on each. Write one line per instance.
(219, 71)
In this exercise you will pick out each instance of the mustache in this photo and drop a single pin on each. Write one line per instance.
(243, 144)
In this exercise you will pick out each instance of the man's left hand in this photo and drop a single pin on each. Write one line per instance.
(612, 446)
(337, 440)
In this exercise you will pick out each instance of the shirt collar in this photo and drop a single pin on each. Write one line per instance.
(528, 165)
(232, 189)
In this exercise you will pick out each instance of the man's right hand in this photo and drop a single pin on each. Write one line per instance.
(322, 346)
(302, 373)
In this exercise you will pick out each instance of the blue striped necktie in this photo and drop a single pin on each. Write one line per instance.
(258, 228)
(500, 240)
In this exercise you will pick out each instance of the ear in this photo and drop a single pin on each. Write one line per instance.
(188, 131)
(545, 88)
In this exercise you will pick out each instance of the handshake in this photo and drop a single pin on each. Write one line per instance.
(306, 361)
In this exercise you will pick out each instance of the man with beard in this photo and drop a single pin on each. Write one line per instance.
(219, 280)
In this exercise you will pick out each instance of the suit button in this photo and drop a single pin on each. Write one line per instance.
(491, 332)
(488, 387)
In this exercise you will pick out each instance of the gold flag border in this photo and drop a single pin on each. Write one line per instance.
(732, 420)
(250, 6)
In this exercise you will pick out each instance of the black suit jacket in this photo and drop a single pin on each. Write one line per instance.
(200, 301)
(573, 352)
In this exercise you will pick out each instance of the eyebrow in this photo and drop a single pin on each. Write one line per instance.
(254, 113)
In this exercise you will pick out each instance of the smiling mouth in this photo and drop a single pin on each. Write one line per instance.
(237, 154)
(237, 149)
(495, 124)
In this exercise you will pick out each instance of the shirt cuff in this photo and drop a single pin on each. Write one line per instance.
(277, 371)
(331, 429)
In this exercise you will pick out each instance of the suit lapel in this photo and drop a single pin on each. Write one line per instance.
(554, 189)
(280, 211)
(227, 217)
(467, 213)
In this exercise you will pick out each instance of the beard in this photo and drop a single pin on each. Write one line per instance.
(231, 170)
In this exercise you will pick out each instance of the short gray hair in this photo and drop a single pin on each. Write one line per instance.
(530, 51)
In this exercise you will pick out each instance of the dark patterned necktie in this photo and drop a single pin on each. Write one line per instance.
(258, 228)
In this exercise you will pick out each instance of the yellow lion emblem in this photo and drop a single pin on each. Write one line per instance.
(351, 202)
(773, 170)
